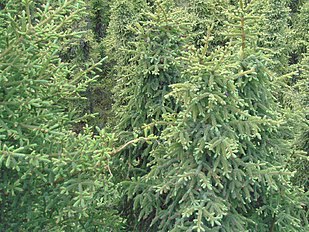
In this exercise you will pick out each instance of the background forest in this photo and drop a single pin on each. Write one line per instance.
(154, 115)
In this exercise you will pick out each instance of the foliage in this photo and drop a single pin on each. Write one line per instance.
(295, 93)
(198, 115)
(82, 51)
(100, 16)
(160, 37)
(221, 163)
(51, 178)
(150, 44)
(277, 34)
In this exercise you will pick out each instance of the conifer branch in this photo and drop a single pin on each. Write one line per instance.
(163, 11)
(245, 72)
(45, 21)
(241, 4)
(207, 40)
(90, 69)
(112, 153)
(6, 51)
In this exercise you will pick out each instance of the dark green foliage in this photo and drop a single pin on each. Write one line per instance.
(100, 17)
(296, 95)
(159, 38)
(85, 50)
(299, 25)
(300, 160)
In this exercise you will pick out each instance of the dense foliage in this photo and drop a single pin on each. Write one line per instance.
(51, 177)
(154, 115)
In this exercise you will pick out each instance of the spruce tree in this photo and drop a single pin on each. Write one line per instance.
(51, 179)
(221, 165)
(155, 40)
(159, 38)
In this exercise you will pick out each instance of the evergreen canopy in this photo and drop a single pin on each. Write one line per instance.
(209, 123)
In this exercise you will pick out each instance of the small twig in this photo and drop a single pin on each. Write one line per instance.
(108, 168)
(245, 72)
(272, 226)
(114, 152)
